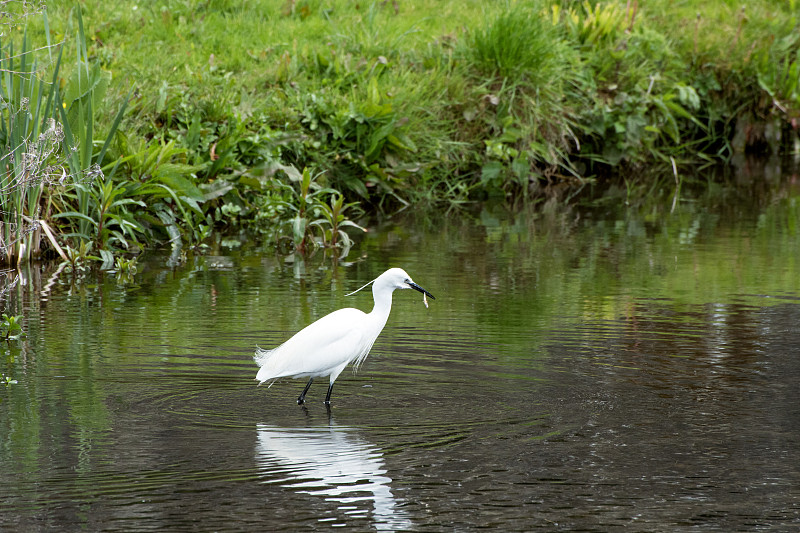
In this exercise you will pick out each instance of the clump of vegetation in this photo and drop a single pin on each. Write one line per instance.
(389, 106)
(30, 146)
(11, 327)
(46, 142)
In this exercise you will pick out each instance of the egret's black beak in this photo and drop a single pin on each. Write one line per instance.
(420, 289)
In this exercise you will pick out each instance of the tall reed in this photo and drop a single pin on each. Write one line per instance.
(46, 141)
(30, 146)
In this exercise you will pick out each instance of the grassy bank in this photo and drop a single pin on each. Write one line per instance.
(290, 117)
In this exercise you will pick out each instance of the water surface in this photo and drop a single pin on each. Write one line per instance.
(591, 369)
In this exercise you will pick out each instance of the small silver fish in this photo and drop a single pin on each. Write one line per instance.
(425, 300)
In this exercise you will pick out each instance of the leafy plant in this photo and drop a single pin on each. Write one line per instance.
(360, 133)
(77, 261)
(126, 266)
(110, 222)
(10, 327)
(313, 222)
(592, 24)
(125, 269)
(160, 196)
(303, 204)
(334, 222)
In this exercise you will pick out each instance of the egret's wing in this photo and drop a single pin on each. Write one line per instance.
(330, 342)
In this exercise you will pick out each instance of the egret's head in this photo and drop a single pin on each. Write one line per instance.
(394, 278)
(397, 278)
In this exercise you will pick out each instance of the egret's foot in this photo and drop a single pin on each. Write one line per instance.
(302, 398)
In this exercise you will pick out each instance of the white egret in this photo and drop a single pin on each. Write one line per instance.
(327, 346)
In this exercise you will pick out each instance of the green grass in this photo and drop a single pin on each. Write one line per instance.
(433, 103)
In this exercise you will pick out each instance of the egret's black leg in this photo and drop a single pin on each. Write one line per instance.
(302, 397)
(328, 397)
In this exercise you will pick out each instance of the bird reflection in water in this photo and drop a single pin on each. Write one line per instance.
(334, 463)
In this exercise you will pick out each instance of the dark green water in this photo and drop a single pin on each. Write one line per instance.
(581, 370)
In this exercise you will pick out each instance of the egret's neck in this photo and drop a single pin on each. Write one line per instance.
(383, 305)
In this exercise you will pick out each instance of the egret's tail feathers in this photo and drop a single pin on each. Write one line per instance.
(262, 356)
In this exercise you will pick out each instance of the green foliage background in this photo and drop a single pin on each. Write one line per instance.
(205, 114)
